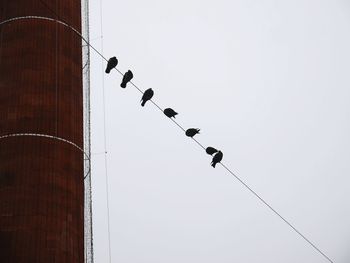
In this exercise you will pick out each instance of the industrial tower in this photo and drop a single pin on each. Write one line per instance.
(41, 132)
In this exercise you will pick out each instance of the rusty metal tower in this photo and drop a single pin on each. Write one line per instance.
(44, 133)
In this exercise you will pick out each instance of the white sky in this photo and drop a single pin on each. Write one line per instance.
(268, 83)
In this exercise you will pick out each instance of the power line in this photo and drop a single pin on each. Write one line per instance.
(274, 211)
(241, 181)
(223, 165)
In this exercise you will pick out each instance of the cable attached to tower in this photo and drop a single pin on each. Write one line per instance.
(195, 140)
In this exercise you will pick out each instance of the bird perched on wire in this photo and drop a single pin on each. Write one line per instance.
(169, 112)
(211, 150)
(146, 96)
(192, 132)
(126, 78)
(112, 63)
(217, 158)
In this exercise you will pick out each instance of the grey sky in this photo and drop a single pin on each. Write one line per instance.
(268, 83)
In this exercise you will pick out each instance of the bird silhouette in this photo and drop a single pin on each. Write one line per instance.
(126, 78)
(217, 158)
(146, 96)
(169, 112)
(210, 150)
(112, 63)
(192, 132)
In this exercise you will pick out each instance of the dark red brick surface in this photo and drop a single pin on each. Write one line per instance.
(41, 179)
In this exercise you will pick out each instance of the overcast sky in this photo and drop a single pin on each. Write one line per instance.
(268, 83)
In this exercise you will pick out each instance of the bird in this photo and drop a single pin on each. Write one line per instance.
(112, 63)
(192, 132)
(210, 150)
(126, 78)
(217, 158)
(146, 96)
(169, 112)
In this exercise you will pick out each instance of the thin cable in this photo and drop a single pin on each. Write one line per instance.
(177, 124)
(53, 11)
(105, 139)
(245, 185)
(242, 182)
(275, 212)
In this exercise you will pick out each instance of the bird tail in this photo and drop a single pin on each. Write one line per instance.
(198, 131)
(213, 164)
(123, 85)
(143, 103)
(108, 70)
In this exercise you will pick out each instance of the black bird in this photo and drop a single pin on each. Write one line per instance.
(112, 63)
(146, 96)
(192, 132)
(126, 78)
(210, 150)
(217, 158)
(169, 112)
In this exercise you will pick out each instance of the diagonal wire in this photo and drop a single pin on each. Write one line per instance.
(275, 212)
(223, 165)
(242, 182)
